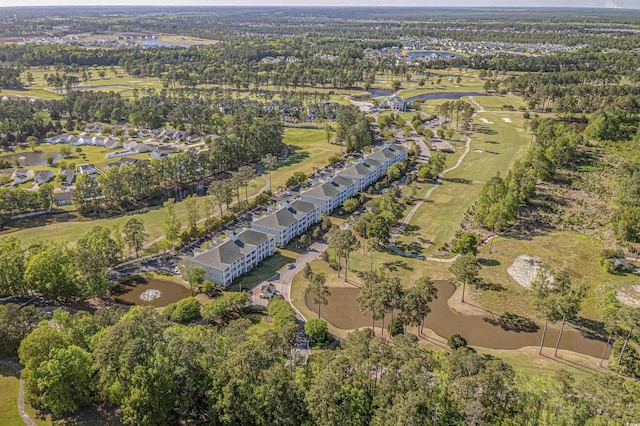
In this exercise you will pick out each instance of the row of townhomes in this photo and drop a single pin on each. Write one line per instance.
(231, 257)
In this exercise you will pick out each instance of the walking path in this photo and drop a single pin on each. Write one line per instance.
(476, 104)
(405, 222)
(18, 368)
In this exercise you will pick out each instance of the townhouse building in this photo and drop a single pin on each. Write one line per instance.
(238, 254)
(289, 221)
(331, 193)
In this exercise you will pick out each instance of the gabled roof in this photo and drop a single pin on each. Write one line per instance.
(328, 190)
(286, 216)
(225, 254)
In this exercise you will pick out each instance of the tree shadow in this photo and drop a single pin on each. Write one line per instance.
(483, 284)
(488, 262)
(492, 142)
(458, 180)
(394, 265)
(411, 229)
(296, 155)
(514, 322)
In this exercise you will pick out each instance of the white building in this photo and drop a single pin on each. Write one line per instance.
(235, 256)
(389, 154)
(289, 221)
(331, 193)
(364, 173)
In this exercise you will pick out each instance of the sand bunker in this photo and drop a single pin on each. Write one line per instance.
(485, 121)
(506, 120)
(524, 269)
(630, 295)
(477, 150)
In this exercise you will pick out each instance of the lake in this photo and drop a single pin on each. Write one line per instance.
(452, 96)
(149, 292)
(28, 159)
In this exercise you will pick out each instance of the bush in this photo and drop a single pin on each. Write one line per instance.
(317, 330)
(456, 341)
(183, 311)
(225, 307)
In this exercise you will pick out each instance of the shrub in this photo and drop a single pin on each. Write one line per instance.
(456, 341)
(225, 307)
(317, 330)
(183, 311)
(630, 363)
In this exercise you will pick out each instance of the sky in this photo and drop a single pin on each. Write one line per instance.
(627, 4)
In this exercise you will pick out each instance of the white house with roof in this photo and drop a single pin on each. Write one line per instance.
(331, 193)
(289, 221)
(87, 169)
(238, 254)
(43, 176)
(394, 103)
(21, 176)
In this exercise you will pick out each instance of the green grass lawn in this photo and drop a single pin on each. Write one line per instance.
(495, 102)
(265, 270)
(577, 252)
(9, 387)
(436, 220)
(308, 148)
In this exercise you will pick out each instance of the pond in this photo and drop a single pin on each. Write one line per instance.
(433, 55)
(452, 96)
(28, 159)
(149, 292)
(158, 43)
(343, 312)
(373, 93)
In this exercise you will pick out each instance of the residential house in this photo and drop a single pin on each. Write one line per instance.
(21, 176)
(330, 194)
(112, 143)
(289, 221)
(237, 255)
(162, 152)
(87, 169)
(120, 162)
(43, 176)
(75, 140)
(63, 138)
(69, 176)
(93, 128)
(63, 198)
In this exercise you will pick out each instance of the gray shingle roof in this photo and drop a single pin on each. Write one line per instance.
(231, 250)
(328, 190)
(286, 216)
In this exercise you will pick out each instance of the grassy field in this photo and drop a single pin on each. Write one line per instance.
(118, 82)
(308, 148)
(576, 252)
(493, 148)
(495, 102)
(9, 385)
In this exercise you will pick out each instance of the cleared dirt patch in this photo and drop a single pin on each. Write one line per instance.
(524, 269)
(506, 120)
(485, 121)
(630, 295)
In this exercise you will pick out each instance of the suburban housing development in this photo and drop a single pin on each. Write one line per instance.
(229, 258)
